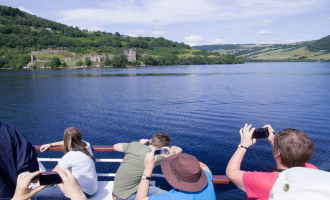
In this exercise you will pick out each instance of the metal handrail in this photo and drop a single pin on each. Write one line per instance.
(217, 179)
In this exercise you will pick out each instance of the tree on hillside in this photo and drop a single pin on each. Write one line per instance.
(56, 62)
(148, 60)
(88, 62)
(119, 61)
(79, 63)
(64, 64)
(107, 61)
(117, 43)
(117, 34)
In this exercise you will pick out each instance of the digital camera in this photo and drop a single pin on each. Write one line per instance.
(49, 178)
(159, 151)
(260, 133)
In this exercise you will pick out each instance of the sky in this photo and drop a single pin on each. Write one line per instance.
(194, 22)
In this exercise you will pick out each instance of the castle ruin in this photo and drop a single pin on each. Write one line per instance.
(130, 54)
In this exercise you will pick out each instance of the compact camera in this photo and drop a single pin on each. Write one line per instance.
(49, 178)
(260, 133)
(159, 151)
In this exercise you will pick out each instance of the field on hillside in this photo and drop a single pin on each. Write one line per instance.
(297, 51)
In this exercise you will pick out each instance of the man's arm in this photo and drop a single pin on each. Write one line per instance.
(233, 171)
(144, 141)
(205, 167)
(176, 149)
(119, 147)
(149, 164)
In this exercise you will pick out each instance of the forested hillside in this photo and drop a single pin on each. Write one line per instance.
(217, 46)
(319, 45)
(20, 33)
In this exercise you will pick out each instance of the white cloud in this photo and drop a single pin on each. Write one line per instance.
(159, 32)
(262, 32)
(164, 11)
(95, 29)
(264, 23)
(218, 41)
(223, 32)
(191, 44)
(25, 10)
(194, 38)
(137, 33)
(326, 20)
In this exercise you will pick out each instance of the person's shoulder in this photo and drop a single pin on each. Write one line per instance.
(259, 175)
(133, 146)
(308, 165)
(87, 144)
(136, 144)
(208, 173)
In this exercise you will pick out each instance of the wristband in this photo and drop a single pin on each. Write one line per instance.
(51, 145)
(242, 146)
(144, 177)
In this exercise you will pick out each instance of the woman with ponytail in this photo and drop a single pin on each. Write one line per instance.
(78, 159)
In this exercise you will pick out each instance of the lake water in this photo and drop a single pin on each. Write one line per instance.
(201, 107)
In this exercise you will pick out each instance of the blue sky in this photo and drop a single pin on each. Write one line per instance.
(195, 22)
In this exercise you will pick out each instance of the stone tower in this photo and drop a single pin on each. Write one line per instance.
(130, 54)
(33, 58)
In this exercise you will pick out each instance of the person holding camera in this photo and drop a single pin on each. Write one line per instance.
(291, 148)
(79, 159)
(129, 173)
(69, 186)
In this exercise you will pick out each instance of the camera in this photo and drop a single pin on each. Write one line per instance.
(260, 133)
(49, 178)
(159, 151)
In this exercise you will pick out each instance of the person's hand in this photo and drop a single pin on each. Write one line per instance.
(70, 187)
(246, 135)
(150, 160)
(169, 152)
(144, 141)
(22, 191)
(176, 149)
(271, 136)
(44, 147)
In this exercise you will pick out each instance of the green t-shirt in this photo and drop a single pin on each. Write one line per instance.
(128, 175)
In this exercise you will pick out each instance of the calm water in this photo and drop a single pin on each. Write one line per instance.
(201, 107)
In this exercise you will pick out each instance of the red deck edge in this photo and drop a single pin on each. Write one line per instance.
(94, 148)
(217, 179)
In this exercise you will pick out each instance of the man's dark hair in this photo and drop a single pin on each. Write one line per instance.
(295, 146)
(160, 139)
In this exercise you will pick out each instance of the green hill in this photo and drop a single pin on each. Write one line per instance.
(20, 33)
(309, 51)
(321, 44)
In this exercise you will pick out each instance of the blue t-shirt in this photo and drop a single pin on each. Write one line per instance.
(206, 193)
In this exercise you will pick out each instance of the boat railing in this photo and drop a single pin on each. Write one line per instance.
(217, 179)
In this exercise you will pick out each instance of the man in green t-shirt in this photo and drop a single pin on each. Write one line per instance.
(128, 175)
